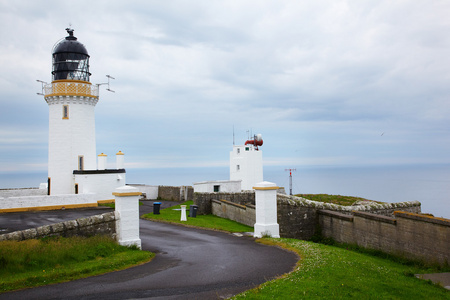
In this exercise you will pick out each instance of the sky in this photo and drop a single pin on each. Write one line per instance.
(326, 83)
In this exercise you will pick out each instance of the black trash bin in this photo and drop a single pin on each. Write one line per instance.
(193, 211)
(156, 207)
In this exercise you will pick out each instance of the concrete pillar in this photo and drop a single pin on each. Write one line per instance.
(266, 210)
(120, 160)
(101, 163)
(127, 215)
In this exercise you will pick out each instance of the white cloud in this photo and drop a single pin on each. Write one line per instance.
(320, 80)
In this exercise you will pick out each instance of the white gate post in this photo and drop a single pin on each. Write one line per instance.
(127, 216)
(266, 210)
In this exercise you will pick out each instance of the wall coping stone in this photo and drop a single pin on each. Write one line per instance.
(375, 217)
(423, 218)
(299, 201)
(229, 203)
(337, 215)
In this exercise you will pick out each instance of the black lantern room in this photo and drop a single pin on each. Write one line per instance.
(70, 60)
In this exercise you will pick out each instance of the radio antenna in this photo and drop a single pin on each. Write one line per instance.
(233, 135)
(107, 83)
(43, 84)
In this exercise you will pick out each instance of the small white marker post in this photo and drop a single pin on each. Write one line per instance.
(183, 213)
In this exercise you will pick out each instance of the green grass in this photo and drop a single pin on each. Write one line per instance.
(204, 221)
(110, 205)
(329, 272)
(33, 263)
(335, 199)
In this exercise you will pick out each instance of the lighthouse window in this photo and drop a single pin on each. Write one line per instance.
(238, 167)
(65, 111)
(80, 162)
(238, 150)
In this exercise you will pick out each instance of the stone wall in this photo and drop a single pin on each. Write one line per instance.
(298, 217)
(204, 200)
(169, 193)
(244, 214)
(411, 235)
(99, 224)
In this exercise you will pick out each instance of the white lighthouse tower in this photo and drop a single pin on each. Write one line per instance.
(246, 163)
(71, 100)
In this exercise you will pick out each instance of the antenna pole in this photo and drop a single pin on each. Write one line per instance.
(290, 179)
(233, 135)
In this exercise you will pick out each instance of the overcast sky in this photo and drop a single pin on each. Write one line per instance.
(325, 82)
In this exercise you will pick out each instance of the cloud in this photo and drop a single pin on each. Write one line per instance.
(320, 80)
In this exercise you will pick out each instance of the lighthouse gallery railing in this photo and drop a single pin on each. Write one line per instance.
(71, 88)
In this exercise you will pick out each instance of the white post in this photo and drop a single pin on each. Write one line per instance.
(120, 160)
(266, 210)
(127, 216)
(102, 158)
(183, 213)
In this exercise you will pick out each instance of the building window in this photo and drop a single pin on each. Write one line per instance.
(238, 150)
(238, 167)
(80, 162)
(216, 188)
(65, 112)
(247, 148)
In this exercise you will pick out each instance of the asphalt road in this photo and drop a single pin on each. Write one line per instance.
(190, 264)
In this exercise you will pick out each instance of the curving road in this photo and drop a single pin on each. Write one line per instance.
(190, 264)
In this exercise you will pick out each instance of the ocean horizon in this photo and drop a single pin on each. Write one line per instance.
(428, 184)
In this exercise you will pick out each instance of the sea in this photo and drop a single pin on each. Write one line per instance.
(428, 184)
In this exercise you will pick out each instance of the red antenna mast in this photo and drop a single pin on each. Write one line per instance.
(290, 179)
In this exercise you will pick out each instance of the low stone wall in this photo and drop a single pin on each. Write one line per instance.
(244, 214)
(298, 217)
(99, 224)
(411, 235)
(203, 200)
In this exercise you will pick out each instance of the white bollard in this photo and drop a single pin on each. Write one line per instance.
(266, 210)
(183, 213)
(127, 216)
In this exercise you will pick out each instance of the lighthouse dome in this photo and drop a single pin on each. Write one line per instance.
(70, 59)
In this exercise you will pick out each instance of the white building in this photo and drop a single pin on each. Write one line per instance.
(218, 186)
(246, 170)
(71, 98)
(246, 163)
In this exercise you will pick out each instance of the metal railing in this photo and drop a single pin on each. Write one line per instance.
(71, 88)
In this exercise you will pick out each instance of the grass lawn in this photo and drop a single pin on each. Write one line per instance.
(330, 272)
(171, 215)
(34, 263)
